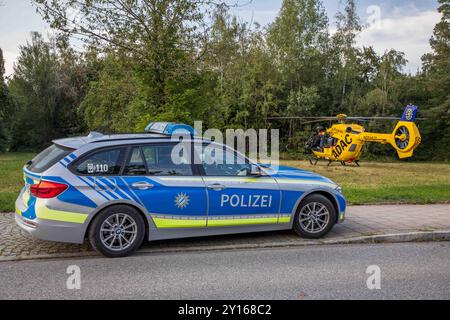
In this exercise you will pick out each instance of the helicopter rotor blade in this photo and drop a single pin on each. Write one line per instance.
(313, 119)
(301, 118)
(334, 118)
(379, 118)
(317, 121)
(373, 118)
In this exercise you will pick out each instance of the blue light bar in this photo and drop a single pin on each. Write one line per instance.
(169, 128)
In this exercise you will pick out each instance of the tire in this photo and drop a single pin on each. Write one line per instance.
(117, 231)
(317, 225)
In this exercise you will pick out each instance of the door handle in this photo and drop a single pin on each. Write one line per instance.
(142, 185)
(216, 187)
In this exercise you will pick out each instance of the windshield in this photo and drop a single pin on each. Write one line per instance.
(48, 158)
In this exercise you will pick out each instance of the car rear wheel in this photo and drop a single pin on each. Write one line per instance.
(117, 231)
(315, 217)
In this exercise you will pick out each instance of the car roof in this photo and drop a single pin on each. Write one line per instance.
(95, 137)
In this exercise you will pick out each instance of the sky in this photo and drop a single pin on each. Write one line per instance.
(403, 25)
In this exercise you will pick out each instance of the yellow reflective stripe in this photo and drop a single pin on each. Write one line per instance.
(284, 219)
(171, 222)
(42, 212)
(241, 222)
(18, 212)
(178, 223)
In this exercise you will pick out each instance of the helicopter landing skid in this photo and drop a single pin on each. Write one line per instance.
(315, 161)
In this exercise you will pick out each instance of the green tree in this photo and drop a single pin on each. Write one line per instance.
(4, 105)
(246, 80)
(184, 60)
(368, 63)
(45, 89)
(390, 72)
(226, 49)
(114, 99)
(262, 85)
(437, 70)
(344, 56)
(298, 40)
(32, 88)
(163, 37)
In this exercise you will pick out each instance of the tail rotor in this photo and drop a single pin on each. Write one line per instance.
(402, 138)
(406, 136)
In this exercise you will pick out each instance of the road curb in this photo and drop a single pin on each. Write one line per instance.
(51, 256)
(385, 238)
(425, 236)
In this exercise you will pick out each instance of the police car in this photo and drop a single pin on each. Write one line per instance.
(117, 190)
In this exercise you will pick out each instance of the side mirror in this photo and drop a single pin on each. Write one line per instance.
(255, 170)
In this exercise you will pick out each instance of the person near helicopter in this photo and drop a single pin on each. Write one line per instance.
(319, 139)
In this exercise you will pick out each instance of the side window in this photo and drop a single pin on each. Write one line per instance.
(135, 165)
(220, 161)
(101, 163)
(160, 163)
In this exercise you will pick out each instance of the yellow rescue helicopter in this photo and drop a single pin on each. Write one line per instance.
(343, 142)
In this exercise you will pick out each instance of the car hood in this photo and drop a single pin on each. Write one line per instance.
(285, 172)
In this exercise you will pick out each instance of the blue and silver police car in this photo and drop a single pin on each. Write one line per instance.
(117, 190)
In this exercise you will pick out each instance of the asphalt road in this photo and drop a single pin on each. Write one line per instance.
(408, 271)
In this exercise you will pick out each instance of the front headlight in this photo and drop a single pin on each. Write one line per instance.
(338, 189)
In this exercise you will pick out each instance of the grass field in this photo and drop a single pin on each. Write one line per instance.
(399, 182)
(395, 182)
(11, 178)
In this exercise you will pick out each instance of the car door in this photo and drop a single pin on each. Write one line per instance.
(98, 175)
(170, 192)
(235, 197)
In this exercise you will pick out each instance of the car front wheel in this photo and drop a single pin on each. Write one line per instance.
(117, 231)
(315, 217)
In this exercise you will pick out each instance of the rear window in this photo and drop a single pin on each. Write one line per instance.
(48, 158)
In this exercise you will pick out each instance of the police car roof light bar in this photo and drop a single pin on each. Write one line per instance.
(170, 128)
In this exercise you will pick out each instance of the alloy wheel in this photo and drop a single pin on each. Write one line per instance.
(118, 231)
(314, 217)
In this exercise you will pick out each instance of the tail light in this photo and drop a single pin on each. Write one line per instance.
(47, 189)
